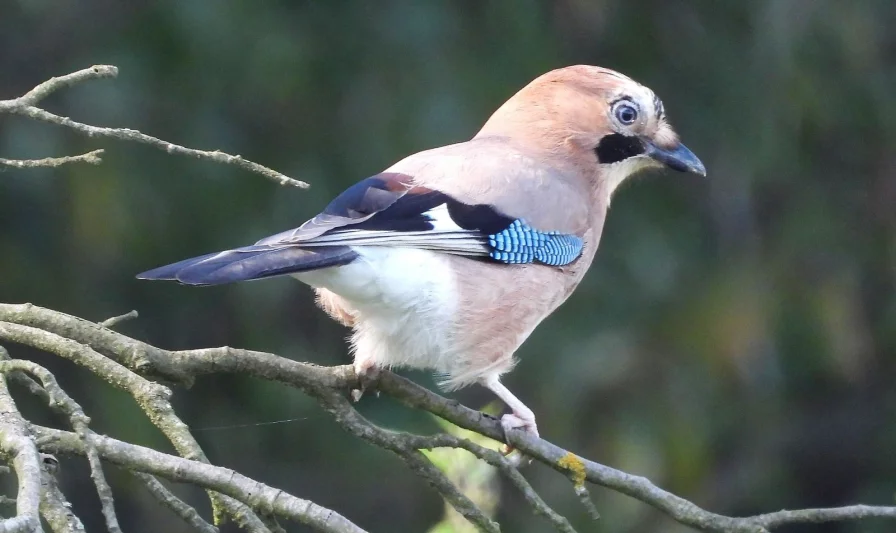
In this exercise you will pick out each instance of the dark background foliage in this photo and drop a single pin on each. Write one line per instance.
(734, 340)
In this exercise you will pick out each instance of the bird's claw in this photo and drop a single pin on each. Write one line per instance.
(511, 422)
(367, 378)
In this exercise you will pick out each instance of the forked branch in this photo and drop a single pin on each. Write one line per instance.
(27, 106)
(109, 352)
(144, 372)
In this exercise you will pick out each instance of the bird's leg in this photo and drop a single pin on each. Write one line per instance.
(367, 374)
(521, 416)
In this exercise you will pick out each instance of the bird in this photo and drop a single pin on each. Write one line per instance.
(450, 258)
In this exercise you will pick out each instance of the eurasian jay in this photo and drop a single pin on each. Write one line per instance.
(451, 257)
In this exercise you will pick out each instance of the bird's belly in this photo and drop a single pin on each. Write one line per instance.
(403, 302)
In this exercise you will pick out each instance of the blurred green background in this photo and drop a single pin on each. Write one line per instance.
(734, 340)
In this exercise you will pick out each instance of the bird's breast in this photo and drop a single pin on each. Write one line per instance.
(403, 302)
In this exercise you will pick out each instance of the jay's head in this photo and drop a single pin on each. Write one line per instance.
(600, 117)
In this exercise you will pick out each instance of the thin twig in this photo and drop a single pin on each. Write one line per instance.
(126, 134)
(806, 516)
(271, 522)
(505, 465)
(585, 498)
(352, 421)
(327, 383)
(27, 106)
(214, 478)
(25, 380)
(55, 509)
(420, 465)
(45, 89)
(133, 354)
(151, 397)
(20, 449)
(92, 158)
(165, 497)
(18, 524)
(115, 320)
(60, 400)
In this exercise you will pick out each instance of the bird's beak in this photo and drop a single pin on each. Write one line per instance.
(677, 158)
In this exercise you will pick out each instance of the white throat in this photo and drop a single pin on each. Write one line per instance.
(615, 173)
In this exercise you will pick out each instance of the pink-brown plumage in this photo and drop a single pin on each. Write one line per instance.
(421, 288)
(535, 159)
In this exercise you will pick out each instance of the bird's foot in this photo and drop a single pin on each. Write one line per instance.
(367, 376)
(524, 421)
(521, 416)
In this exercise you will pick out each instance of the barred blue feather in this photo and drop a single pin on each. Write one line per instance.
(519, 243)
(383, 210)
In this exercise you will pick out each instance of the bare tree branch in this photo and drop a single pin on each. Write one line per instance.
(138, 356)
(492, 457)
(92, 158)
(17, 524)
(45, 89)
(26, 106)
(143, 370)
(166, 498)
(215, 478)
(152, 398)
(836, 514)
(55, 509)
(329, 385)
(65, 404)
(271, 522)
(19, 448)
(338, 405)
(25, 380)
(115, 320)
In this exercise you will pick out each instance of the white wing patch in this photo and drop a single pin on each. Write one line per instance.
(441, 219)
(446, 236)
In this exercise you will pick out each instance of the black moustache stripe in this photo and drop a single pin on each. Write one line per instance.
(616, 147)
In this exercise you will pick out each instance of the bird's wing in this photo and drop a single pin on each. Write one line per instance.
(403, 209)
(390, 210)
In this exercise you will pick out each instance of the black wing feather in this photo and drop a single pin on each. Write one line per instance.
(251, 262)
(356, 204)
(385, 209)
(390, 202)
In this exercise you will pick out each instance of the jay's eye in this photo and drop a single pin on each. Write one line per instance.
(626, 113)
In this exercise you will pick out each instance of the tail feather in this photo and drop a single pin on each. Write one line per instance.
(250, 262)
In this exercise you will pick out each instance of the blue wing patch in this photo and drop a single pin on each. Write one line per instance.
(519, 243)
